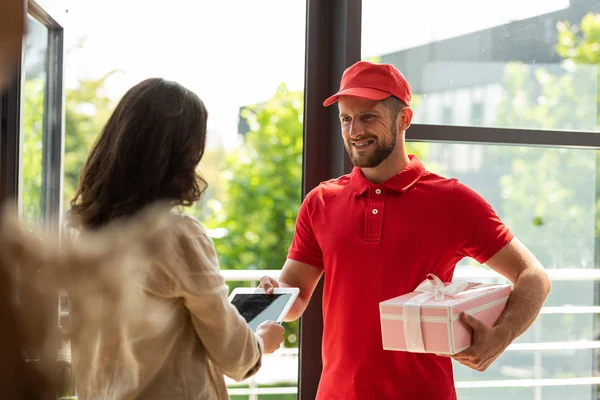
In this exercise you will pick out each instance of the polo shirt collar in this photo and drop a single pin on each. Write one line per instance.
(398, 183)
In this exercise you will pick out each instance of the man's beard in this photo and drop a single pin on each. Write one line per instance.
(377, 156)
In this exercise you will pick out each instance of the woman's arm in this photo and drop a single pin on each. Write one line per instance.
(230, 343)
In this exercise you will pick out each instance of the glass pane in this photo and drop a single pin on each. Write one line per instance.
(36, 47)
(516, 64)
(582, 392)
(252, 84)
(567, 363)
(510, 365)
(548, 198)
(560, 327)
(579, 392)
(516, 393)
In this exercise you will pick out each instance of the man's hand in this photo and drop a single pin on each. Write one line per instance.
(487, 344)
(268, 283)
(531, 286)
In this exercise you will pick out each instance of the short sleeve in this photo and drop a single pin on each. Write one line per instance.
(305, 246)
(477, 230)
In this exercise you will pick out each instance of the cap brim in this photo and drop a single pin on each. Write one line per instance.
(366, 93)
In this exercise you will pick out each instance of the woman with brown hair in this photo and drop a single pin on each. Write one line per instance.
(185, 334)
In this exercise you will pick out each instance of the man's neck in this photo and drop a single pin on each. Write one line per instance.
(390, 167)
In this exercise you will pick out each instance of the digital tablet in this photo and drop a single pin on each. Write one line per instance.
(257, 307)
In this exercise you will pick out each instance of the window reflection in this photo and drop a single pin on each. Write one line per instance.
(531, 65)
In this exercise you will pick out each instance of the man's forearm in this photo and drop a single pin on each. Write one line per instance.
(297, 308)
(302, 276)
(528, 295)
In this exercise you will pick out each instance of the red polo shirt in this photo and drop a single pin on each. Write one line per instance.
(378, 241)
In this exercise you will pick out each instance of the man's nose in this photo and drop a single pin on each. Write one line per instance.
(356, 129)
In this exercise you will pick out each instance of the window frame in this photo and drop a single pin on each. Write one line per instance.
(53, 122)
(52, 162)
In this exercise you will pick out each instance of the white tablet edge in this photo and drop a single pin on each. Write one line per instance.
(293, 291)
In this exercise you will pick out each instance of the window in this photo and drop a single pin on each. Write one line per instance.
(447, 114)
(524, 61)
(525, 75)
(477, 116)
(552, 209)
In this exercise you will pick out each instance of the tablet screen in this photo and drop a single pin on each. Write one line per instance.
(258, 308)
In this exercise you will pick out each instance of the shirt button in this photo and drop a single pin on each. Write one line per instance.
(378, 191)
(375, 211)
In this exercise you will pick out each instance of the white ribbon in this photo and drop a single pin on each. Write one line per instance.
(432, 287)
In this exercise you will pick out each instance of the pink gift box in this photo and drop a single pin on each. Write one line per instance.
(428, 319)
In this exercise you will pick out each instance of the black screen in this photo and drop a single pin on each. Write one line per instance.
(257, 308)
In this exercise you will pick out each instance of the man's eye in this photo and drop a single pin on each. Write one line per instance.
(367, 116)
(346, 119)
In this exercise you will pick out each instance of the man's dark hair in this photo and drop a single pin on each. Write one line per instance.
(395, 105)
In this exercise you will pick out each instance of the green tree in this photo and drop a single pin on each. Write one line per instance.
(263, 185)
(212, 167)
(543, 193)
(33, 119)
(254, 223)
(581, 45)
(86, 111)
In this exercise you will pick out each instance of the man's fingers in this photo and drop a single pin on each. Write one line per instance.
(465, 355)
(268, 284)
(459, 357)
(265, 283)
(471, 321)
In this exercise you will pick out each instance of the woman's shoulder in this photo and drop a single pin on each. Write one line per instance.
(190, 225)
(192, 234)
(196, 261)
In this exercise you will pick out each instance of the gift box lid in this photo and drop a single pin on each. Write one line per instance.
(474, 295)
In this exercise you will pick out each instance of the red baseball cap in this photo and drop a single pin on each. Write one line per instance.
(372, 81)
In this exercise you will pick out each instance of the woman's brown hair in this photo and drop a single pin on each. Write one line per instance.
(148, 151)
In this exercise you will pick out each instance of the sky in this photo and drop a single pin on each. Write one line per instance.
(237, 52)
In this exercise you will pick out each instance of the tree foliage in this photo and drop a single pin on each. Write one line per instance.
(547, 195)
(263, 179)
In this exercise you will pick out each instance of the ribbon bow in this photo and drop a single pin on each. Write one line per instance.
(432, 287)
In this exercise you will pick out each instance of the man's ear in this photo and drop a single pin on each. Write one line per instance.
(404, 119)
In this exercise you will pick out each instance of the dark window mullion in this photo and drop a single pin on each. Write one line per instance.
(333, 43)
(525, 137)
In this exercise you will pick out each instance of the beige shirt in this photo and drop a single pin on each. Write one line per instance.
(183, 338)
